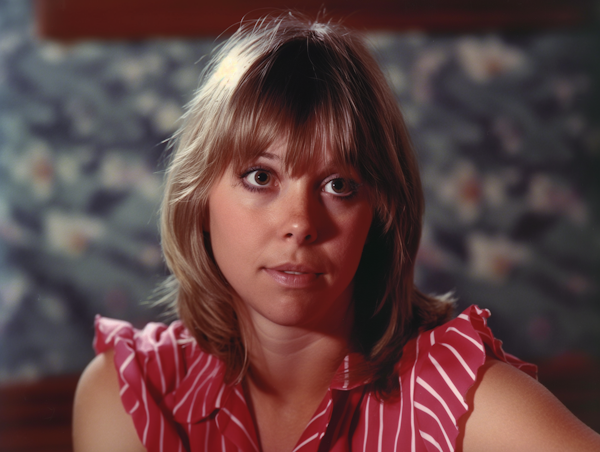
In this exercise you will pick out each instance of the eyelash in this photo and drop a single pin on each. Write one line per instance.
(245, 174)
(353, 185)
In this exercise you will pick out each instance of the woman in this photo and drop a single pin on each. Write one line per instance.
(291, 221)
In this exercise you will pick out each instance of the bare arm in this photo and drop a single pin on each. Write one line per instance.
(100, 422)
(513, 412)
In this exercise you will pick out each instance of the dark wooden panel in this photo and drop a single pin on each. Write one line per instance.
(137, 19)
(575, 380)
(37, 416)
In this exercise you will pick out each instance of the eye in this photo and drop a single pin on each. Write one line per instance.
(258, 178)
(339, 187)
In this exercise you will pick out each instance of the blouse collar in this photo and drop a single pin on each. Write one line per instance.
(203, 390)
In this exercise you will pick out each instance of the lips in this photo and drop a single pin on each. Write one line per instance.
(293, 275)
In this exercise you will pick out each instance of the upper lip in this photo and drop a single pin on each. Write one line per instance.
(299, 268)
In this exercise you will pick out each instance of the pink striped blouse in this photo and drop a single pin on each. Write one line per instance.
(176, 395)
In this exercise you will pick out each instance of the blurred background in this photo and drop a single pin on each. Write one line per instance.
(502, 102)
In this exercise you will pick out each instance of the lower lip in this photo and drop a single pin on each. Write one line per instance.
(293, 281)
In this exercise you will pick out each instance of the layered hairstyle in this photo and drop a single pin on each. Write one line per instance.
(315, 85)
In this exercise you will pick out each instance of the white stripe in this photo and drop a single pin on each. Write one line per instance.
(461, 360)
(193, 403)
(477, 344)
(239, 394)
(115, 331)
(464, 317)
(346, 366)
(481, 311)
(120, 339)
(193, 386)
(379, 444)
(175, 356)
(367, 416)
(438, 397)
(160, 369)
(206, 438)
(433, 415)
(223, 449)
(489, 336)
(145, 400)
(431, 440)
(400, 416)
(135, 407)
(432, 338)
(316, 416)
(121, 370)
(208, 391)
(162, 433)
(448, 382)
(241, 426)
(305, 442)
(195, 362)
(126, 363)
(412, 397)
(218, 404)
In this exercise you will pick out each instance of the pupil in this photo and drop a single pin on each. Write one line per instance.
(261, 178)
(338, 185)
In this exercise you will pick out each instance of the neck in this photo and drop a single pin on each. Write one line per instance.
(294, 367)
(291, 368)
(292, 362)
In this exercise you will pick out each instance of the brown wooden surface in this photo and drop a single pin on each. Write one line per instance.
(575, 380)
(138, 19)
(36, 417)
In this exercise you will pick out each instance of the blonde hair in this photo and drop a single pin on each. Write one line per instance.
(316, 85)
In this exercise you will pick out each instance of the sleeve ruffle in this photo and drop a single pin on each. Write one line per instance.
(149, 367)
(449, 358)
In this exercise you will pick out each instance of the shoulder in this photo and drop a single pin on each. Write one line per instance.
(100, 422)
(159, 355)
(456, 350)
(448, 357)
(440, 366)
(512, 411)
(154, 371)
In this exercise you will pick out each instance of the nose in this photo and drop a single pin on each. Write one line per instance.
(299, 215)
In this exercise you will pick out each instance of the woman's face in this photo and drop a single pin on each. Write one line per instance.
(289, 246)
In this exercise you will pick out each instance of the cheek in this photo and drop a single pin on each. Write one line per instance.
(225, 236)
(235, 236)
(353, 236)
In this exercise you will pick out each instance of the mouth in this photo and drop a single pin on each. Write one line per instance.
(293, 276)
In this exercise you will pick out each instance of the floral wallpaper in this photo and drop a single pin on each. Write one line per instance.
(508, 139)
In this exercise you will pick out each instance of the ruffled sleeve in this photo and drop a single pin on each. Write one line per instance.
(150, 364)
(446, 362)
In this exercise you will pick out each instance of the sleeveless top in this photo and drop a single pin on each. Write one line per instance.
(178, 400)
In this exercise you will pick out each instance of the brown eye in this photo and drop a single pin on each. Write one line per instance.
(339, 186)
(256, 179)
(261, 177)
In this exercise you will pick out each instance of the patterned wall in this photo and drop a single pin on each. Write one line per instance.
(507, 138)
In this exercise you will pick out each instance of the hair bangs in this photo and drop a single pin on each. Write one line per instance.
(294, 95)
